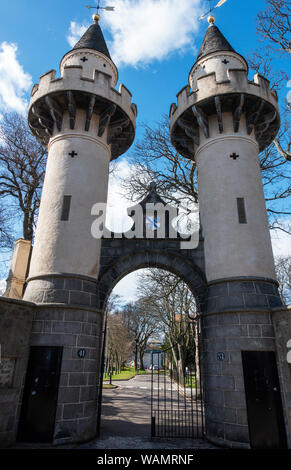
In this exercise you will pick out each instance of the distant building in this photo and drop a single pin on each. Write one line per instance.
(154, 354)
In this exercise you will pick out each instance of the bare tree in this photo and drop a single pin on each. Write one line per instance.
(274, 25)
(142, 324)
(262, 61)
(283, 272)
(22, 167)
(156, 159)
(119, 344)
(170, 299)
(6, 234)
(273, 28)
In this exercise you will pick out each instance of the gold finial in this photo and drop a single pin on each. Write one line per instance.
(211, 19)
(96, 18)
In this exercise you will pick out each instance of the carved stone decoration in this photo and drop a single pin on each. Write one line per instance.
(185, 142)
(44, 123)
(202, 120)
(71, 109)
(55, 111)
(234, 156)
(190, 130)
(219, 113)
(253, 116)
(105, 119)
(117, 128)
(264, 124)
(89, 113)
(238, 112)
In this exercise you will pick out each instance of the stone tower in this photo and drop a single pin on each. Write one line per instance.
(85, 122)
(222, 120)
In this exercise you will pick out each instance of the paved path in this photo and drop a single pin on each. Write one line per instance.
(126, 417)
(126, 409)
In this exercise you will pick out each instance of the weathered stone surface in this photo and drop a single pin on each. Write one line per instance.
(15, 328)
(224, 387)
(235, 295)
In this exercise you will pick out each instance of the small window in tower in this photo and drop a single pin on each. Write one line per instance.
(66, 207)
(241, 210)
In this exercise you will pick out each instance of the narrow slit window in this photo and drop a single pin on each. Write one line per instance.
(241, 210)
(66, 207)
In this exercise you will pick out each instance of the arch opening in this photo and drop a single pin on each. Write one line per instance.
(164, 357)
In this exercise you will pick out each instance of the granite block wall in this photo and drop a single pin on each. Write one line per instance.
(16, 319)
(75, 329)
(225, 335)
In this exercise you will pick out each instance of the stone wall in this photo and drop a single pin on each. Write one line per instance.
(74, 328)
(16, 319)
(282, 326)
(224, 392)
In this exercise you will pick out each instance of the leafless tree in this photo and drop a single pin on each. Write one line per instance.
(119, 344)
(283, 272)
(170, 299)
(22, 167)
(262, 61)
(142, 324)
(156, 159)
(274, 25)
(6, 234)
(273, 28)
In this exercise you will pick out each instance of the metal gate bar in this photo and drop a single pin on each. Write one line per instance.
(176, 396)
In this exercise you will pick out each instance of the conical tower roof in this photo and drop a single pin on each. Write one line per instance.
(93, 39)
(213, 41)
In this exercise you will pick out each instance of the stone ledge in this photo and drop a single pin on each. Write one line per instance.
(227, 444)
(69, 306)
(20, 303)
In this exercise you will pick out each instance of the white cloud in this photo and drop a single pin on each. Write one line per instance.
(14, 82)
(117, 219)
(127, 287)
(281, 241)
(76, 31)
(2, 286)
(146, 30)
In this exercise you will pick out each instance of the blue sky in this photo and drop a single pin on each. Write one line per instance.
(154, 42)
(40, 31)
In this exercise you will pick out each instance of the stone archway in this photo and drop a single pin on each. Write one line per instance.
(121, 255)
(148, 257)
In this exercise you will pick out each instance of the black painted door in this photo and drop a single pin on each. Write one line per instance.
(37, 419)
(264, 405)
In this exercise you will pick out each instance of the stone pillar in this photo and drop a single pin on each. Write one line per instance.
(18, 269)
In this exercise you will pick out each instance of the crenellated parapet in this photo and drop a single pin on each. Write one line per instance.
(237, 95)
(53, 97)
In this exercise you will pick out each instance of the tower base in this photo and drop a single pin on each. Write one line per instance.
(235, 346)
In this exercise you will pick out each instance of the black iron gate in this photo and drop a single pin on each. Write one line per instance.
(176, 393)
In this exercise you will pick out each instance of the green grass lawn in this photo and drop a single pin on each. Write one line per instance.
(126, 374)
